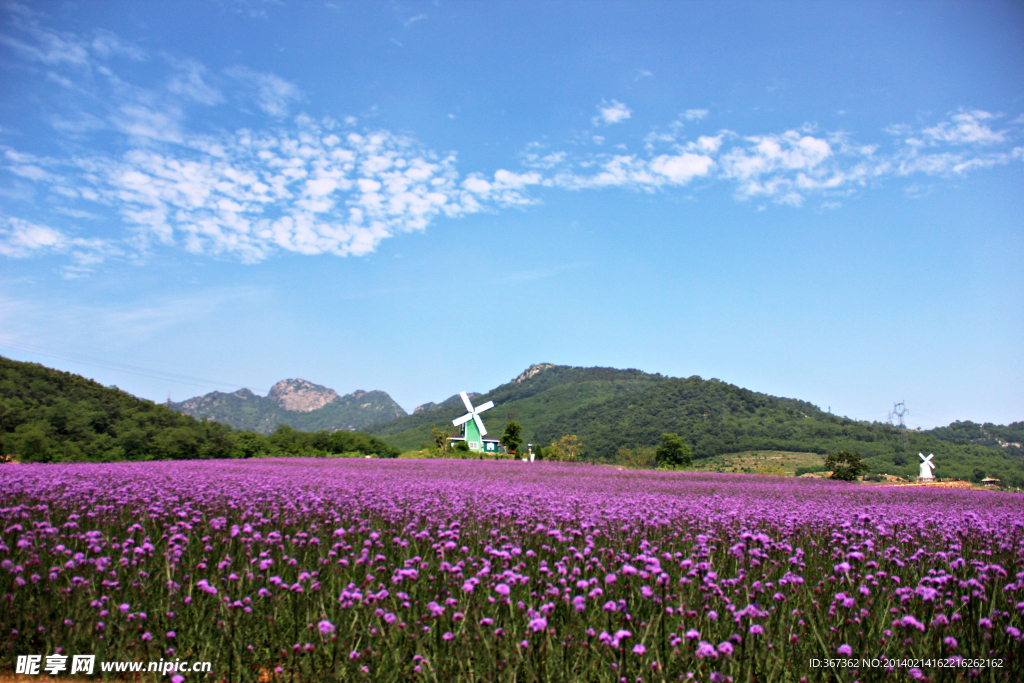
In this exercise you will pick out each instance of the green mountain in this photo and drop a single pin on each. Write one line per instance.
(297, 403)
(541, 397)
(608, 409)
(52, 416)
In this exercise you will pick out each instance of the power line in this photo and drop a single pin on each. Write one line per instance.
(125, 368)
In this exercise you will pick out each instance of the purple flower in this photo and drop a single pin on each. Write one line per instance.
(706, 649)
(171, 634)
(147, 636)
(692, 634)
(841, 568)
(326, 627)
(448, 635)
(756, 630)
(639, 649)
(910, 622)
(538, 624)
(845, 650)
(502, 590)
(725, 648)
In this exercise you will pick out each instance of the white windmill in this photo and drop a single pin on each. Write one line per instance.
(926, 467)
(474, 429)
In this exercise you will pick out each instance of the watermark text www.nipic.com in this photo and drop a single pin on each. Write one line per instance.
(86, 664)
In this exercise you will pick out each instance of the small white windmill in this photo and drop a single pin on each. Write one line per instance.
(926, 466)
(474, 428)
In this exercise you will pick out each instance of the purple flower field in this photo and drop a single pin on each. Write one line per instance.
(465, 570)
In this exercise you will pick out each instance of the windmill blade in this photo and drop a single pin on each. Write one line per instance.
(486, 406)
(465, 399)
(480, 424)
(462, 420)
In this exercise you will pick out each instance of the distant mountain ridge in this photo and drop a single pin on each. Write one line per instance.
(299, 403)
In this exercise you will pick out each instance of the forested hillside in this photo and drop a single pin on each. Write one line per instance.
(1009, 438)
(608, 409)
(49, 416)
(52, 416)
(544, 397)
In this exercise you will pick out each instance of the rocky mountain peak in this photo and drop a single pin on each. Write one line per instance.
(301, 396)
(531, 371)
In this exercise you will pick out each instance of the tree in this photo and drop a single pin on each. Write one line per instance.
(512, 438)
(641, 456)
(673, 451)
(440, 439)
(567, 448)
(845, 466)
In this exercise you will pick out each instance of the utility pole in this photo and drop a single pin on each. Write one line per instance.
(899, 410)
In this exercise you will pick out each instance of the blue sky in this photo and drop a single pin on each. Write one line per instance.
(813, 200)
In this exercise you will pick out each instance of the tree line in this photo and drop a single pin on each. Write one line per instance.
(52, 416)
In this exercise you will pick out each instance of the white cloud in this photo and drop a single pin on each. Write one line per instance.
(966, 127)
(19, 238)
(707, 144)
(609, 113)
(314, 187)
(191, 81)
(271, 93)
(22, 239)
(140, 121)
(682, 168)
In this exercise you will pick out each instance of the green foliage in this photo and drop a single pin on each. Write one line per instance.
(568, 449)
(800, 471)
(512, 438)
(439, 437)
(845, 466)
(52, 416)
(673, 451)
(539, 402)
(609, 409)
(462, 446)
(641, 457)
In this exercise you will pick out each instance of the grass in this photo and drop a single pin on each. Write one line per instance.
(782, 463)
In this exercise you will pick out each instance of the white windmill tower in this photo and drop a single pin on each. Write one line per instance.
(474, 429)
(925, 473)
